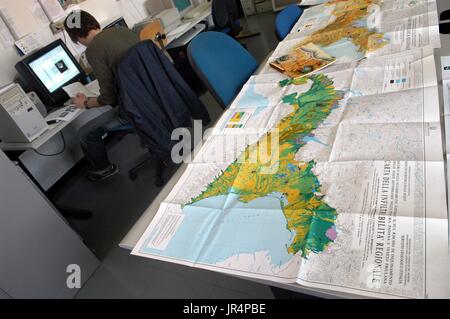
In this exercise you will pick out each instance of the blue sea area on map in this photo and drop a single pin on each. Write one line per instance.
(344, 48)
(362, 23)
(308, 138)
(251, 99)
(259, 225)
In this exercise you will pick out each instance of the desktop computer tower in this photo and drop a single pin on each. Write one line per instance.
(20, 119)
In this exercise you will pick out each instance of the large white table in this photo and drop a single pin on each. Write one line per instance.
(133, 236)
(135, 233)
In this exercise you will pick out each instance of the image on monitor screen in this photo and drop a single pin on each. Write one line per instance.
(54, 69)
(182, 5)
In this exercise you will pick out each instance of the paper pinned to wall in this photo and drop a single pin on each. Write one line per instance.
(131, 13)
(38, 12)
(53, 10)
(34, 41)
(14, 29)
(28, 44)
(6, 38)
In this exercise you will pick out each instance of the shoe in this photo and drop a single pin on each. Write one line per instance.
(100, 176)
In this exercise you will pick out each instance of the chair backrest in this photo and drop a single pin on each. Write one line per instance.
(222, 63)
(219, 13)
(225, 14)
(223, 11)
(286, 19)
(151, 31)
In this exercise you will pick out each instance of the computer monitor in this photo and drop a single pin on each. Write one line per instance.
(183, 5)
(48, 70)
(119, 23)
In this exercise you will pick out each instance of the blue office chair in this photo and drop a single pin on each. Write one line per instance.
(222, 64)
(286, 19)
(119, 132)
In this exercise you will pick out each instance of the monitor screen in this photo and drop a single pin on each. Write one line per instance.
(55, 68)
(119, 23)
(182, 5)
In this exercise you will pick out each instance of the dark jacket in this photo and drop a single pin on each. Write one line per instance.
(155, 98)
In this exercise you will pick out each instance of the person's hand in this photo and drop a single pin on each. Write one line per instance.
(79, 100)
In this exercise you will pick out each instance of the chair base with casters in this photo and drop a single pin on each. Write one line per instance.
(125, 129)
(237, 33)
(159, 174)
(133, 172)
(248, 34)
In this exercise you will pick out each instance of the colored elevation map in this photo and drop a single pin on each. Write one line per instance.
(309, 217)
(347, 25)
(307, 214)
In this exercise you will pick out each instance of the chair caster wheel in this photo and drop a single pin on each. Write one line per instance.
(133, 176)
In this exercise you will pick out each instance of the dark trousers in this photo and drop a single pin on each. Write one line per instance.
(91, 139)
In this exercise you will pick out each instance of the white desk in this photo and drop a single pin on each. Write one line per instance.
(171, 40)
(131, 239)
(46, 170)
(135, 233)
(187, 36)
(133, 236)
(51, 132)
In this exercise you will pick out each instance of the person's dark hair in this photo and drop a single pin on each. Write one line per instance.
(78, 24)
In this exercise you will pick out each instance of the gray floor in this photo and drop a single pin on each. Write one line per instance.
(117, 204)
(125, 276)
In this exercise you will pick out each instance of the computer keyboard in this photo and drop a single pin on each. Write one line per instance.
(66, 114)
(197, 11)
(181, 28)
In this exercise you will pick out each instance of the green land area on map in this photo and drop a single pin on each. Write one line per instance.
(308, 216)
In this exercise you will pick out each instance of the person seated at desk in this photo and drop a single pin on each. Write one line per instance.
(105, 49)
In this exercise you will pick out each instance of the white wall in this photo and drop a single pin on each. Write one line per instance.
(104, 10)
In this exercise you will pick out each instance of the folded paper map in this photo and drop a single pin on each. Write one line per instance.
(302, 61)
